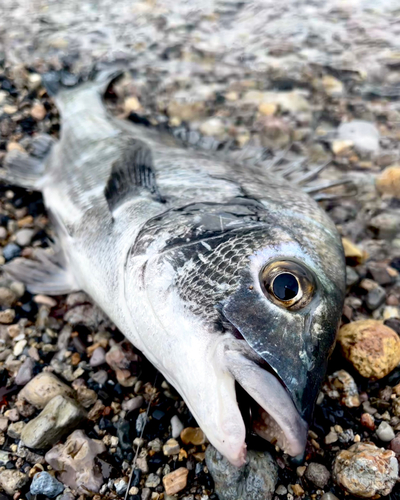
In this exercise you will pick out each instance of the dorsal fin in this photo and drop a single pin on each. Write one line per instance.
(131, 172)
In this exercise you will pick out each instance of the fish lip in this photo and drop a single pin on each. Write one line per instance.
(261, 383)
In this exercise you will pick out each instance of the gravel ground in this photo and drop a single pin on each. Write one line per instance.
(265, 81)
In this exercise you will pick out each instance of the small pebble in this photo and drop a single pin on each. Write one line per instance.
(152, 481)
(98, 357)
(45, 484)
(176, 481)
(317, 474)
(176, 426)
(193, 435)
(7, 316)
(23, 237)
(385, 432)
(171, 447)
(10, 251)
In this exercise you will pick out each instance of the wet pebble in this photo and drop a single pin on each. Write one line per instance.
(176, 481)
(371, 347)
(317, 474)
(7, 316)
(364, 470)
(375, 298)
(23, 237)
(59, 416)
(171, 447)
(176, 427)
(45, 484)
(10, 251)
(12, 480)
(388, 181)
(7, 297)
(98, 357)
(75, 462)
(256, 479)
(25, 372)
(364, 135)
(43, 388)
(152, 481)
(193, 435)
(385, 432)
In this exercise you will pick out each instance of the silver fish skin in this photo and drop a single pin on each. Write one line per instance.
(222, 275)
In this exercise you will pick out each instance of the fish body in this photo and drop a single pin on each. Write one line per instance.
(219, 273)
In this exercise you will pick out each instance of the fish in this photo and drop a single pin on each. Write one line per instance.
(228, 277)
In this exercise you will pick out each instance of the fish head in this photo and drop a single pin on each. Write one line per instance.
(257, 306)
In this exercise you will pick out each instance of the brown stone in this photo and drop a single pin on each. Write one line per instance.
(353, 254)
(371, 347)
(175, 481)
(297, 490)
(38, 111)
(389, 181)
(193, 435)
(368, 421)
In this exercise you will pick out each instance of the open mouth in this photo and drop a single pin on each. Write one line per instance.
(267, 408)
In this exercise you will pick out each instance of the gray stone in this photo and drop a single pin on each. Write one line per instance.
(146, 494)
(281, 490)
(60, 416)
(11, 251)
(25, 372)
(375, 298)
(98, 357)
(12, 480)
(121, 485)
(152, 481)
(329, 496)
(351, 276)
(177, 426)
(385, 432)
(256, 479)
(317, 474)
(45, 484)
(133, 403)
(23, 237)
(75, 462)
(363, 134)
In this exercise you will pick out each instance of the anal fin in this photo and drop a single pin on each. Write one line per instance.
(131, 173)
(45, 274)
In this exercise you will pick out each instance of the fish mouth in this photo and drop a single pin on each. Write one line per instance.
(266, 406)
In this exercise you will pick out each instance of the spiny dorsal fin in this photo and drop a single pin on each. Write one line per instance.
(131, 172)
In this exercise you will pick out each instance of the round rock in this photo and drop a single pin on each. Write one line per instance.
(364, 470)
(317, 474)
(371, 347)
(384, 432)
(45, 484)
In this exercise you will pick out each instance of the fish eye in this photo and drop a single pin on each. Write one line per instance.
(288, 284)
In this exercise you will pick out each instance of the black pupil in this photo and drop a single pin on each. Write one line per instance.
(285, 286)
